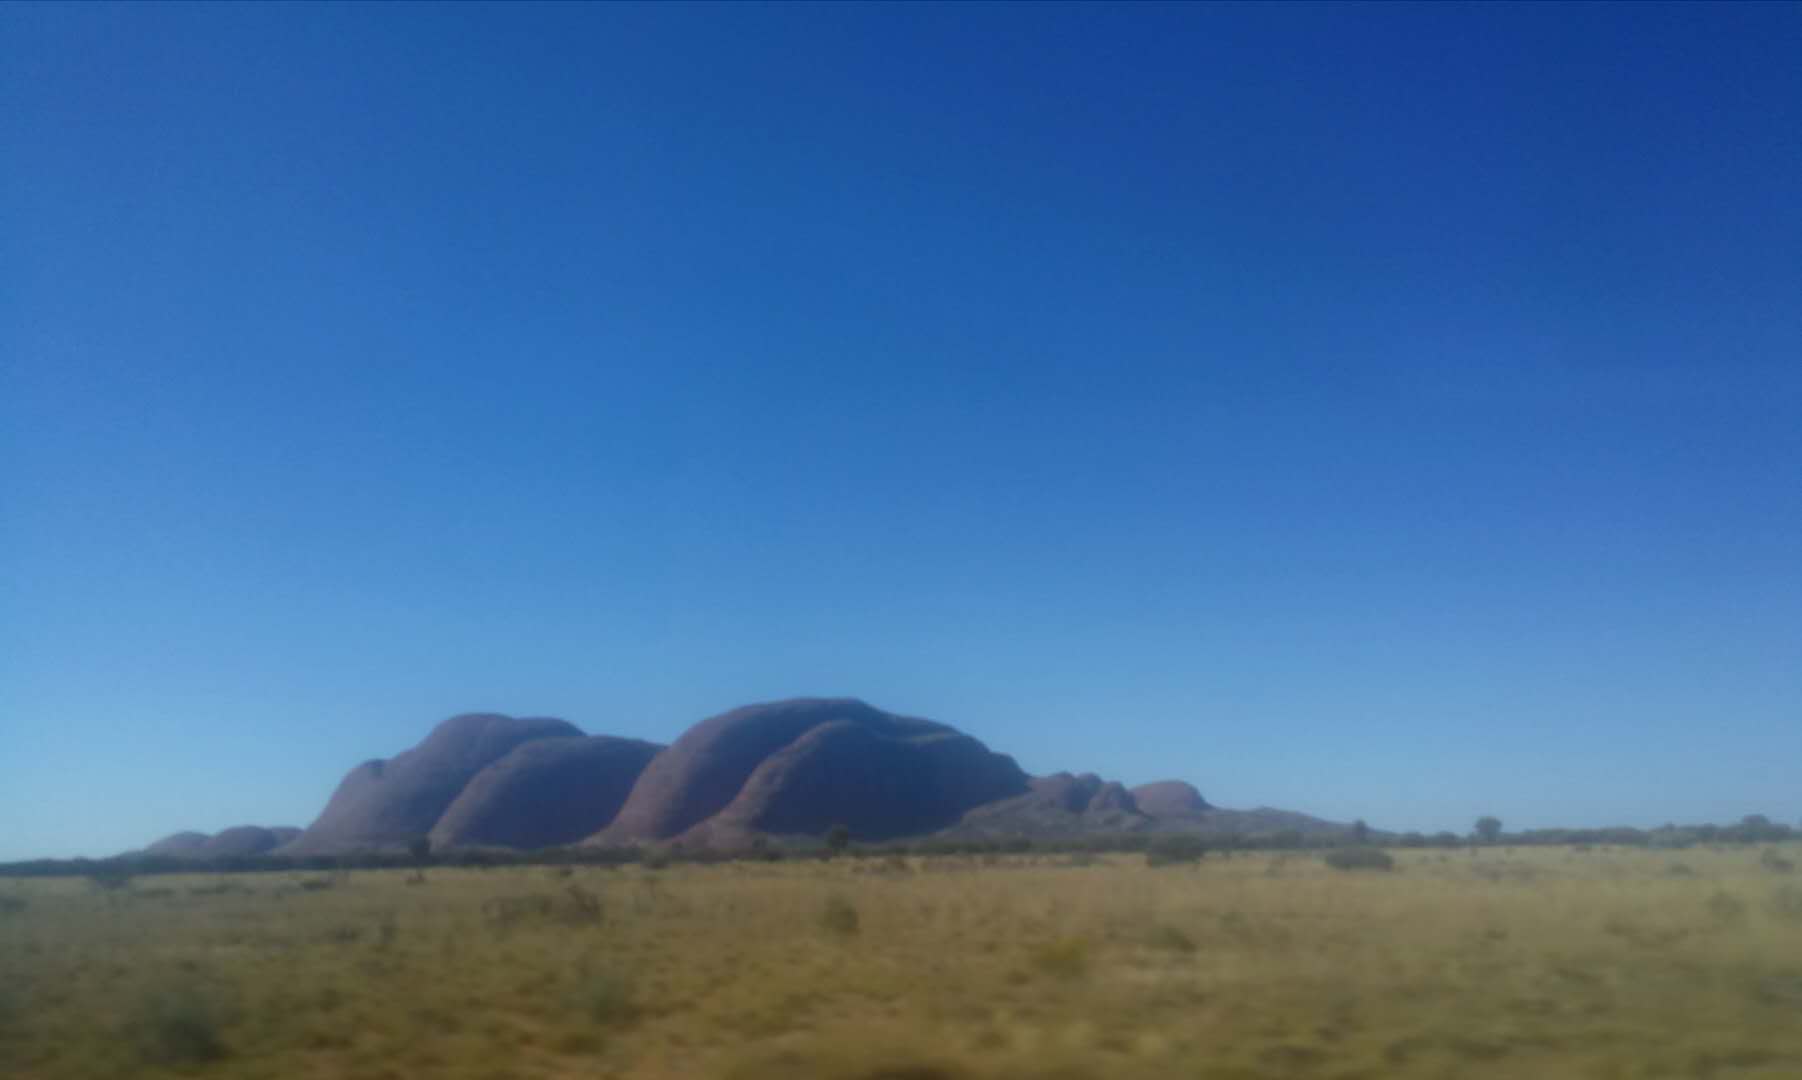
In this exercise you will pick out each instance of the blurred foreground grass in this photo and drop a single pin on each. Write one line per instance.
(1528, 963)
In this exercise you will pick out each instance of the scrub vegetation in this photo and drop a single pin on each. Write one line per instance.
(1487, 962)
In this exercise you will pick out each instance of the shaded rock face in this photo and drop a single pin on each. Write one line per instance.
(545, 792)
(1170, 798)
(802, 766)
(386, 804)
(1082, 794)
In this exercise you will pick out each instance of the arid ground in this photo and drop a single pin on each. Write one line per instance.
(1550, 962)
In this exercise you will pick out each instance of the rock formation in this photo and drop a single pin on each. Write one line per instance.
(181, 843)
(545, 792)
(799, 767)
(239, 840)
(791, 768)
(390, 804)
(1170, 799)
(1058, 805)
(246, 840)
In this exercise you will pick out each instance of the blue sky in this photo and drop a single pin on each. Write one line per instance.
(1390, 412)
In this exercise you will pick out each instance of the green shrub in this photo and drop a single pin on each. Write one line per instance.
(576, 907)
(608, 999)
(1359, 858)
(1726, 908)
(342, 934)
(1065, 958)
(502, 912)
(11, 905)
(1169, 937)
(219, 888)
(839, 916)
(178, 1027)
(581, 907)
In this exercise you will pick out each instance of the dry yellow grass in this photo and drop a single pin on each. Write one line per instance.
(1543, 963)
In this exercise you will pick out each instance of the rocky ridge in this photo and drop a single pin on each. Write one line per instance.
(782, 769)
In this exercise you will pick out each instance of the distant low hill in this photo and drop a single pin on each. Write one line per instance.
(1057, 806)
(783, 769)
(237, 840)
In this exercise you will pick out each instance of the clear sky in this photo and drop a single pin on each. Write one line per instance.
(1390, 412)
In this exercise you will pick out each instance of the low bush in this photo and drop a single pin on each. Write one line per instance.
(608, 999)
(219, 888)
(1359, 858)
(501, 912)
(110, 879)
(342, 934)
(1169, 937)
(1726, 908)
(1182, 849)
(839, 916)
(581, 906)
(575, 907)
(1065, 958)
(178, 1027)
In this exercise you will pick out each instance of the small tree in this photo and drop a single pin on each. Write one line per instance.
(1488, 828)
(1360, 832)
(419, 848)
(1759, 829)
(838, 838)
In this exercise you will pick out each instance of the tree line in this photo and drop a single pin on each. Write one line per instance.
(1488, 831)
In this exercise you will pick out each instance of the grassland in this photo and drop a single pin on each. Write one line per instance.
(1531, 963)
